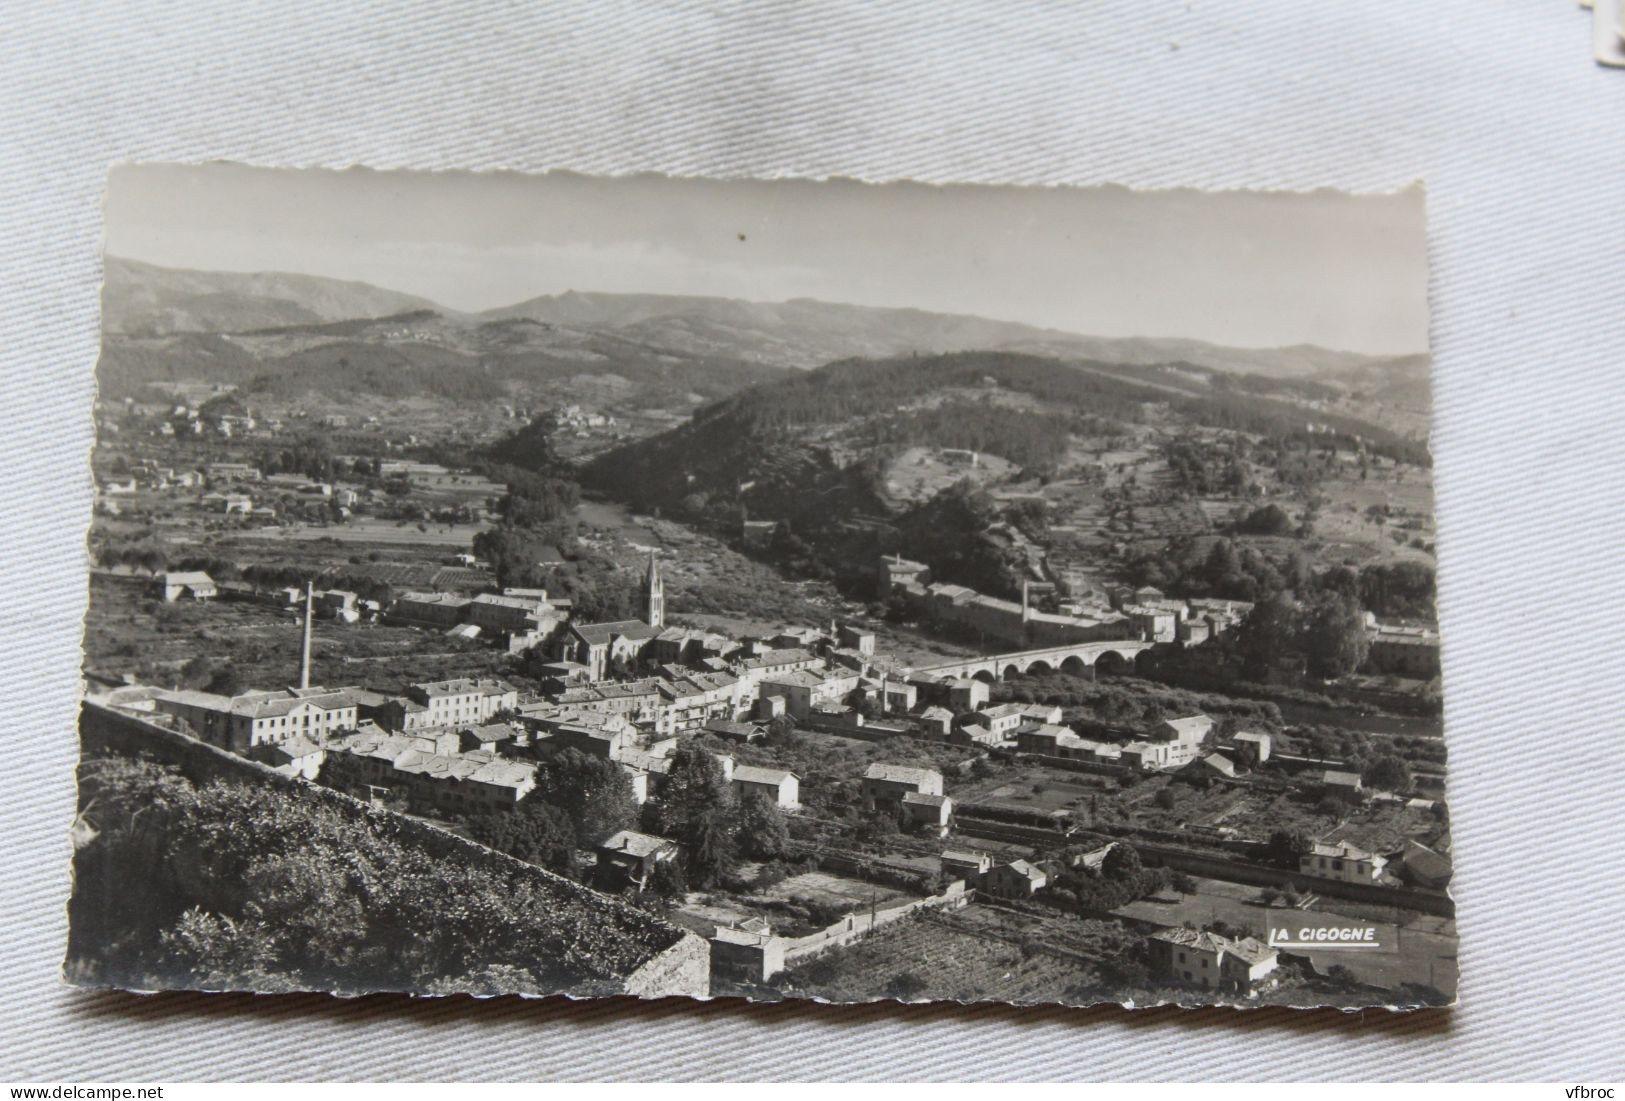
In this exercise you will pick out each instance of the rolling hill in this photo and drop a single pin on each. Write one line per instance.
(146, 299)
(288, 336)
(806, 333)
(819, 450)
(423, 353)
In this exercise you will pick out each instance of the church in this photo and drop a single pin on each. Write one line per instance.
(599, 646)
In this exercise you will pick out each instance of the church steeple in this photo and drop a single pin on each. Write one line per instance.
(654, 596)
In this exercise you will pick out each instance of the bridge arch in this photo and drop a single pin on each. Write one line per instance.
(1009, 672)
(1113, 663)
(1074, 666)
(984, 675)
(1039, 668)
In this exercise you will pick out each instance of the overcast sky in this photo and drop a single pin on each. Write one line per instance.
(1241, 268)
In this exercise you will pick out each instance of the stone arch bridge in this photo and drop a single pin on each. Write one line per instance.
(1075, 658)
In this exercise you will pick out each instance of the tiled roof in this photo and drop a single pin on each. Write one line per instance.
(638, 844)
(1342, 850)
(600, 634)
(1190, 726)
(188, 577)
(902, 774)
(799, 678)
(1025, 870)
(1250, 949)
(1199, 939)
(750, 774)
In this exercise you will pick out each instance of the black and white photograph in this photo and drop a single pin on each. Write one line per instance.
(767, 589)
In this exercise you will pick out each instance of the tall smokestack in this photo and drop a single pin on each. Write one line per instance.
(304, 651)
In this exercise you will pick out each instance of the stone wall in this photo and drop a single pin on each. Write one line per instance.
(857, 925)
(682, 969)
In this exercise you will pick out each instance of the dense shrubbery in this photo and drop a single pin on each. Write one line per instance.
(256, 886)
(1189, 567)
(1205, 469)
(1130, 702)
(1120, 880)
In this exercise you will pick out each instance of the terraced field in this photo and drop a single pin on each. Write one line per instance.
(978, 954)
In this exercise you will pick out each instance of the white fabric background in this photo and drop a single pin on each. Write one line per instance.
(1496, 103)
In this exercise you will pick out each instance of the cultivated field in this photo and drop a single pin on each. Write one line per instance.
(977, 954)
(920, 473)
(368, 531)
(130, 631)
(795, 906)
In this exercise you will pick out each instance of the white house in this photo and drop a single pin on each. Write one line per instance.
(784, 788)
(1341, 861)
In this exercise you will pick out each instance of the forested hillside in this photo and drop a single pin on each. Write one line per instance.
(419, 354)
(811, 451)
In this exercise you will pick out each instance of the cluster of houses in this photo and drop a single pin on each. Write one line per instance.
(517, 619)
(825, 680)
(1158, 618)
(340, 605)
(229, 484)
(1144, 613)
(1403, 649)
(965, 610)
(1170, 744)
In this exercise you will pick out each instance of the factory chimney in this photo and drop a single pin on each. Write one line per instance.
(304, 652)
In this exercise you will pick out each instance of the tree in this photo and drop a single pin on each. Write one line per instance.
(1335, 641)
(1122, 862)
(905, 986)
(1339, 975)
(534, 831)
(1222, 568)
(697, 810)
(1399, 588)
(762, 831)
(594, 794)
(667, 880)
(197, 671)
(343, 772)
(709, 853)
(1285, 847)
(515, 553)
(1269, 632)
(1268, 520)
(225, 681)
(1388, 773)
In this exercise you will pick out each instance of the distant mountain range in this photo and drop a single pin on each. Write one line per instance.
(147, 300)
(163, 323)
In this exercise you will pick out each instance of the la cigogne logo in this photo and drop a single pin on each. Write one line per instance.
(1320, 937)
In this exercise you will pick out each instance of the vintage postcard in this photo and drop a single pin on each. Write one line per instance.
(775, 589)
